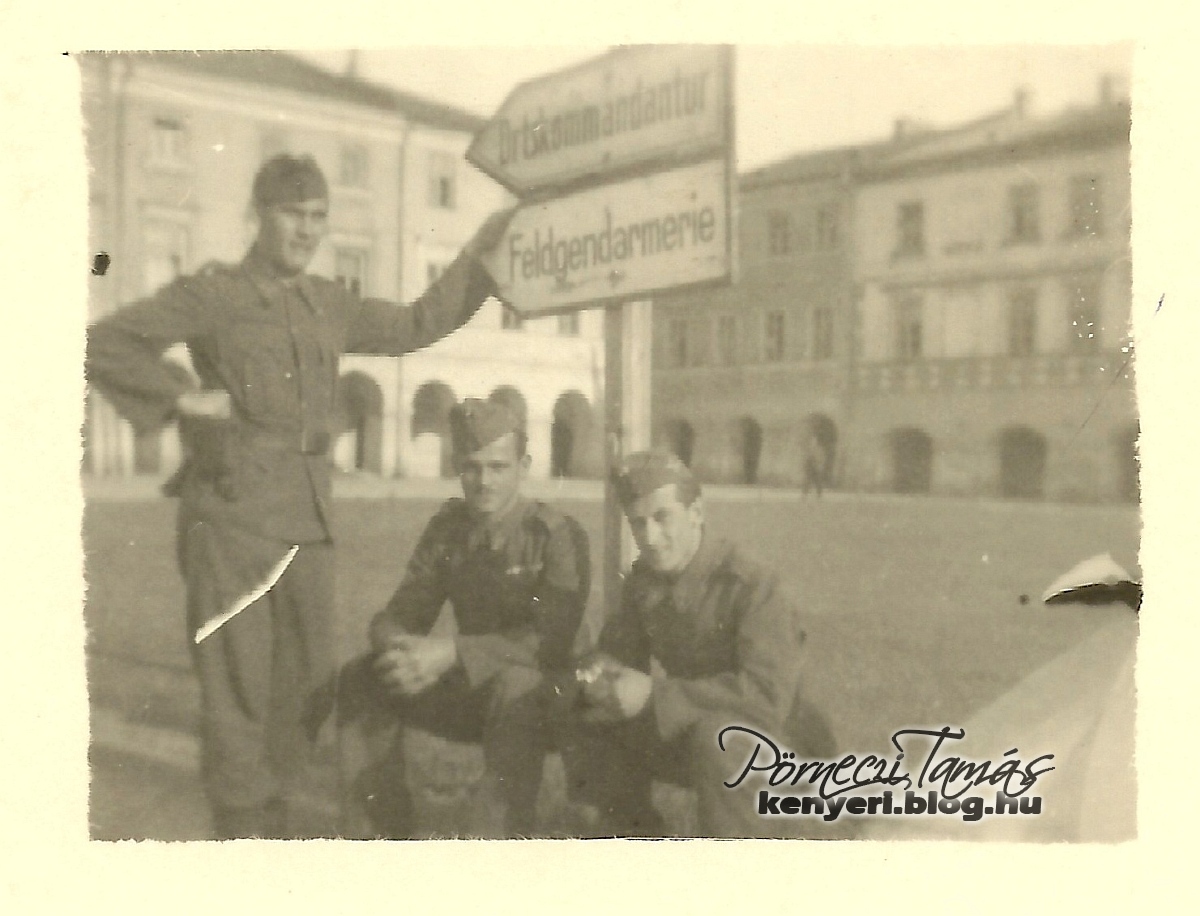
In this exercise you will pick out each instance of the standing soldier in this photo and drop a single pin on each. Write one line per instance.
(255, 545)
(704, 638)
(516, 573)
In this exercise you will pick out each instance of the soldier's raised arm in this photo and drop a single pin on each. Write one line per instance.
(381, 327)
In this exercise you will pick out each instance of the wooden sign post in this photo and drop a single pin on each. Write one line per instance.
(627, 340)
(624, 166)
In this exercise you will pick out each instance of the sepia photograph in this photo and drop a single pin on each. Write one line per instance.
(670, 440)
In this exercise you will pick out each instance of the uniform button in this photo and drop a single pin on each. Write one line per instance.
(287, 375)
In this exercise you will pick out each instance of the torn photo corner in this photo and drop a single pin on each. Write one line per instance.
(1096, 580)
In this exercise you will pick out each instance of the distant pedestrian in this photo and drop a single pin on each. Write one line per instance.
(816, 461)
(255, 539)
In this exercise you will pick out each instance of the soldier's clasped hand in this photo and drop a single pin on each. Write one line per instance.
(412, 664)
(612, 691)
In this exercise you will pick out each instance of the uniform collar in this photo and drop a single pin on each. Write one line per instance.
(686, 587)
(495, 530)
(272, 287)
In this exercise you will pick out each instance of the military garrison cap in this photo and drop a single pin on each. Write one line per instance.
(287, 179)
(475, 423)
(644, 472)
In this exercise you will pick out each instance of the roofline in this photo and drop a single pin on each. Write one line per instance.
(1103, 130)
(870, 161)
(353, 90)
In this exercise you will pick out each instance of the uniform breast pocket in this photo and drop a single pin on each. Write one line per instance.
(517, 586)
(266, 376)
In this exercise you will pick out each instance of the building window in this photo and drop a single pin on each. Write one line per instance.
(700, 348)
(168, 141)
(442, 179)
(779, 233)
(677, 343)
(802, 232)
(909, 328)
(1024, 225)
(568, 324)
(1084, 332)
(1085, 204)
(910, 229)
(773, 337)
(354, 166)
(822, 319)
(828, 236)
(510, 319)
(1022, 322)
(350, 269)
(727, 340)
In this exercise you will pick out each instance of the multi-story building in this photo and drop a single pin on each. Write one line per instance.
(174, 140)
(744, 375)
(993, 337)
(947, 311)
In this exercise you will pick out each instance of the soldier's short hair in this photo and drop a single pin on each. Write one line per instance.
(641, 473)
(288, 179)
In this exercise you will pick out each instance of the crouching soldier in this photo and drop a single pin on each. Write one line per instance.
(704, 638)
(516, 573)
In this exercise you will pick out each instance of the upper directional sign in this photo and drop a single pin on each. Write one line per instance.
(644, 106)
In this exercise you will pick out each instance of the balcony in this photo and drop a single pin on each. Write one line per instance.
(1044, 370)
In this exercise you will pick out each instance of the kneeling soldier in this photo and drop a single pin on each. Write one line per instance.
(704, 638)
(516, 573)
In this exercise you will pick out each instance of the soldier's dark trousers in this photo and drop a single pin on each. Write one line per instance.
(266, 680)
(613, 767)
(508, 716)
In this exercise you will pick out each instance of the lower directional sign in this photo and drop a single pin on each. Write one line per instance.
(624, 240)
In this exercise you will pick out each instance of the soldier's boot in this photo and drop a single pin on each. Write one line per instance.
(376, 805)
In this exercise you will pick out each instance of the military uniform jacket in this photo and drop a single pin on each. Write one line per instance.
(275, 348)
(518, 586)
(725, 638)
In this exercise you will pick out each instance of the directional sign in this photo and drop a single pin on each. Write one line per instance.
(622, 240)
(645, 106)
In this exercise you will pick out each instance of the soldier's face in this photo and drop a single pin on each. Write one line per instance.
(491, 477)
(666, 531)
(290, 233)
